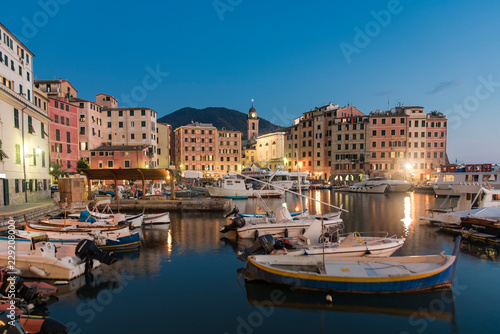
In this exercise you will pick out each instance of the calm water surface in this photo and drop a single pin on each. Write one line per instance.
(185, 280)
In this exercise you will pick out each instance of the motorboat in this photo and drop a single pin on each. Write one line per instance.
(300, 180)
(235, 188)
(368, 189)
(318, 240)
(282, 225)
(39, 258)
(474, 201)
(451, 175)
(331, 273)
(392, 185)
(260, 170)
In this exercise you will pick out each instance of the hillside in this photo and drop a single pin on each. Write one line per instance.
(220, 117)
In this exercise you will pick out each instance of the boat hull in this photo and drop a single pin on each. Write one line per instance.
(242, 193)
(373, 189)
(278, 229)
(437, 279)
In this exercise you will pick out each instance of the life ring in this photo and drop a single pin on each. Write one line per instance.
(158, 192)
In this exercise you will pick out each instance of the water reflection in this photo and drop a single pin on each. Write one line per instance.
(407, 220)
(481, 250)
(434, 305)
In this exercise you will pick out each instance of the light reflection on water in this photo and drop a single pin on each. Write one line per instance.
(187, 278)
(407, 220)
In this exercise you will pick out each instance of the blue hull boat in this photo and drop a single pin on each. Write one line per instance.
(356, 275)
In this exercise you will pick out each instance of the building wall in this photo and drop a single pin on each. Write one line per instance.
(119, 159)
(25, 169)
(106, 101)
(131, 126)
(56, 88)
(271, 148)
(16, 64)
(164, 135)
(201, 147)
(90, 127)
(228, 151)
(63, 147)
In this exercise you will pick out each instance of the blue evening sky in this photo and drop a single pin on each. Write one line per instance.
(289, 56)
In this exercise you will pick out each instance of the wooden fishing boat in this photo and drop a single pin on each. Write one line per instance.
(356, 274)
(156, 219)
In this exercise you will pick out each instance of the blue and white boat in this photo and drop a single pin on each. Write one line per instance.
(356, 274)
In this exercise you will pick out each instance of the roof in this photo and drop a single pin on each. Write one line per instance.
(107, 95)
(120, 148)
(126, 174)
(77, 99)
(127, 108)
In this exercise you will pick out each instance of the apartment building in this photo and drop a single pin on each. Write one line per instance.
(164, 152)
(129, 127)
(24, 124)
(201, 147)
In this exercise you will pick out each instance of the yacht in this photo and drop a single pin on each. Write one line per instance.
(304, 182)
(451, 175)
(232, 187)
(393, 186)
(260, 170)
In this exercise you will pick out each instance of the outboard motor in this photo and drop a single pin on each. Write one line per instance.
(234, 212)
(21, 290)
(235, 224)
(264, 243)
(87, 250)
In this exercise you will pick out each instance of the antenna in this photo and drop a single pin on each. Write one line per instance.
(388, 103)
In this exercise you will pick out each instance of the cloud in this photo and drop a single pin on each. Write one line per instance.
(445, 85)
(385, 92)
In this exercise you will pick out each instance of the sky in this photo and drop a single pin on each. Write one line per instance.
(288, 56)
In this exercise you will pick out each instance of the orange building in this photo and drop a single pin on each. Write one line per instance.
(201, 147)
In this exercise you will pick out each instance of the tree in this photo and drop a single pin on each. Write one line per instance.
(82, 164)
(56, 171)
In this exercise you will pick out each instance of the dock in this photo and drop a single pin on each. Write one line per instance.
(206, 204)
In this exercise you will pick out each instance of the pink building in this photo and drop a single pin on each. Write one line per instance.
(119, 156)
(63, 133)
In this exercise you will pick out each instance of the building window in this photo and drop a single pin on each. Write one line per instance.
(110, 163)
(120, 124)
(143, 124)
(120, 114)
(16, 118)
(131, 113)
(132, 136)
(143, 112)
(58, 135)
(82, 130)
(109, 124)
(127, 164)
(68, 137)
(143, 136)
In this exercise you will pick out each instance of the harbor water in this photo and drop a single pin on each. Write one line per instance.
(185, 279)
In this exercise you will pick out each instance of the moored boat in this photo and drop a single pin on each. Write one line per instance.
(356, 274)
(368, 189)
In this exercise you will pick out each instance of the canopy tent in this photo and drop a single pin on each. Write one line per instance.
(130, 174)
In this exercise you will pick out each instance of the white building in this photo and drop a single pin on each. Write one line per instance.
(24, 127)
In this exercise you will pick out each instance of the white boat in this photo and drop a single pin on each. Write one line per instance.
(392, 185)
(282, 225)
(238, 189)
(485, 201)
(317, 240)
(451, 175)
(260, 170)
(304, 182)
(156, 219)
(38, 258)
(372, 189)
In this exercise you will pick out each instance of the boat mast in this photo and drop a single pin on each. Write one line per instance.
(299, 179)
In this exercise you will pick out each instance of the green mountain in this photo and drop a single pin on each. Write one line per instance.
(220, 118)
